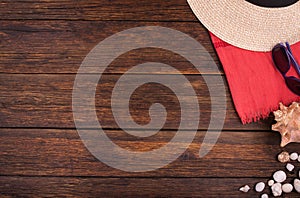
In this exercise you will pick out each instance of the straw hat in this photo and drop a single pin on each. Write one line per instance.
(249, 26)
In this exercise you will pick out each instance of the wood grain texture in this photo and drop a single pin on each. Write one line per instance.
(61, 46)
(128, 187)
(46, 101)
(53, 152)
(153, 10)
(42, 45)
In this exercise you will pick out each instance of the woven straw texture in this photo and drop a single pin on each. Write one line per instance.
(248, 26)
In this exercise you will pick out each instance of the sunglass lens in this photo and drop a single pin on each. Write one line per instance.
(281, 59)
(293, 84)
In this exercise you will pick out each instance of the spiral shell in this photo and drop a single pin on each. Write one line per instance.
(288, 123)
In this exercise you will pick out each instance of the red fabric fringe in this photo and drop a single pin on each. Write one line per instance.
(255, 84)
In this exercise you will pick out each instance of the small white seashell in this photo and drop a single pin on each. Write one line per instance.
(260, 186)
(245, 188)
(297, 185)
(283, 157)
(287, 188)
(276, 189)
(264, 196)
(294, 156)
(271, 182)
(279, 176)
(290, 167)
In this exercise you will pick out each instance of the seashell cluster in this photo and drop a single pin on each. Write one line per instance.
(288, 123)
(281, 182)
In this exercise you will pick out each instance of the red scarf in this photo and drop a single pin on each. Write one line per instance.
(255, 84)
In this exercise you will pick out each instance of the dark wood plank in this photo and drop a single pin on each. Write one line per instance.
(154, 10)
(46, 101)
(128, 187)
(41, 152)
(42, 44)
(61, 46)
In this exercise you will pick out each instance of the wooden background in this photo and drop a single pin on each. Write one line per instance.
(42, 44)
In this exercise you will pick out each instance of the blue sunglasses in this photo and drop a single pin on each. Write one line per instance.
(283, 57)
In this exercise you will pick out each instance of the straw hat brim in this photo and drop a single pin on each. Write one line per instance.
(248, 26)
